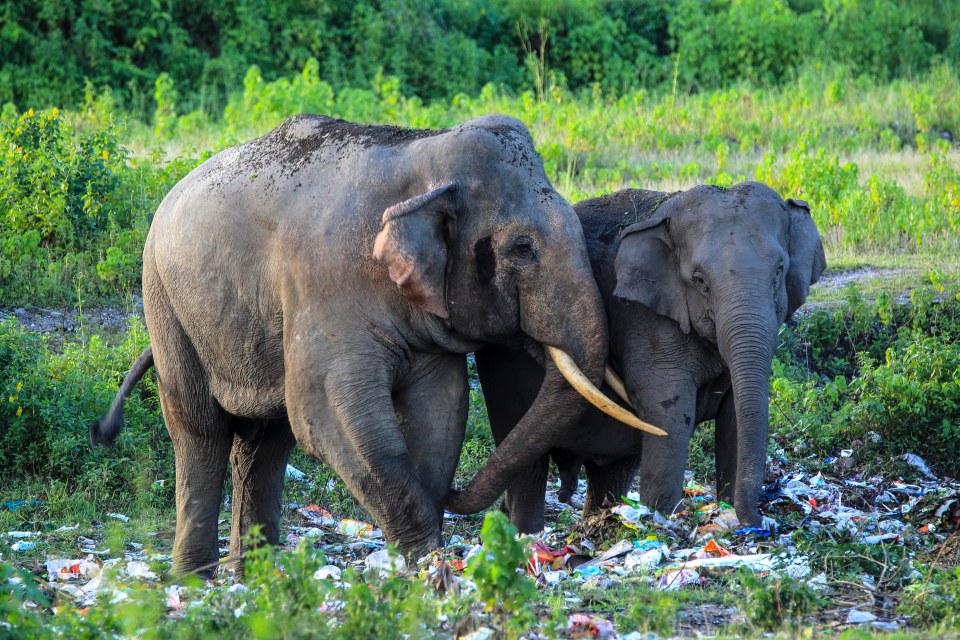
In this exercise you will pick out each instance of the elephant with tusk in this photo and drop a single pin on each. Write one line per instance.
(695, 285)
(322, 284)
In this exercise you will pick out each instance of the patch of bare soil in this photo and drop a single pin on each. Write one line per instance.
(60, 325)
(836, 281)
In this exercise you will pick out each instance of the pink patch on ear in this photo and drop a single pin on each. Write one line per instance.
(403, 272)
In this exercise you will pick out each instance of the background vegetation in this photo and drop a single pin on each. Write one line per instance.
(437, 49)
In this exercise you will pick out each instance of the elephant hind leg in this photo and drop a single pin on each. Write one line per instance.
(258, 467)
(199, 429)
(201, 436)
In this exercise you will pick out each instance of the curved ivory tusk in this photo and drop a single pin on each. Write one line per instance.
(614, 382)
(569, 369)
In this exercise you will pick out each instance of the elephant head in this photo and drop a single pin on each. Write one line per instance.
(730, 265)
(500, 257)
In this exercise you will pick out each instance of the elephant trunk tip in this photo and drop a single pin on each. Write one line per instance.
(463, 502)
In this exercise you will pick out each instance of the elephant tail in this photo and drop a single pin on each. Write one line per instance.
(105, 430)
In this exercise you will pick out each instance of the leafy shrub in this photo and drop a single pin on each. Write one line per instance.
(886, 368)
(49, 401)
(775, 602)
(932, 603)
(438, 49)
(75, 208)
(499, 573)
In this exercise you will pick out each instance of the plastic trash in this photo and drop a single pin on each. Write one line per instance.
(759, 562)
(328, 572)
(385, 563)
(59, 569)
(13, 505)
(140, 569)
(315, 514)
(856, 616)
(294, 473)
(918, 463)
(642, 560)
(119, 516)
(877, 539)
(583, 626)
(23, 545)
(673, 580)
(622, 548)
(355, 528)
(630, 515)
(173, 597)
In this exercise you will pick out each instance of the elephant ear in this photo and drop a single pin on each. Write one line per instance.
(648, 272)
(807, 260)
(412, 245)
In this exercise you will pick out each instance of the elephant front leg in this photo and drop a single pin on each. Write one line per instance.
(725, 439)
(432, 414)
(348, 421)
(259, 465)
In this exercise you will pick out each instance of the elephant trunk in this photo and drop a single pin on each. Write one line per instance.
(746, 338)
(557, 407)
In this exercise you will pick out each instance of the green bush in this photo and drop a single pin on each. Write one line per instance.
(932, 603)
(73, 206)
(438, 49)
(885, 368)
(49, 400)
(775, 602)
(500, 575)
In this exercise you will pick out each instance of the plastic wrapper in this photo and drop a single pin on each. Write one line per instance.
(583, 626)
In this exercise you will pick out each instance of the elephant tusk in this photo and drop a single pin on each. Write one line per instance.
(614, 382)
(569, 370)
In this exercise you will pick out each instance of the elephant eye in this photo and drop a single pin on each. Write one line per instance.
(523, 248)
(779, 275)
(700, 283)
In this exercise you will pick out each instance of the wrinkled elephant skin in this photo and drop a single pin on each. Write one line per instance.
(696, 285)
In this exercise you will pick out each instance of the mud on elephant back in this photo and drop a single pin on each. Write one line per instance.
(696, 285)
(321, 284)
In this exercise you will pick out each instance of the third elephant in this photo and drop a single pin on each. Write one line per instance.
(696, 285)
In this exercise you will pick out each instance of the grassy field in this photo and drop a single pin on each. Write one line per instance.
(871, 366)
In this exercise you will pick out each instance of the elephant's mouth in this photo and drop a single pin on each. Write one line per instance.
(572, 373)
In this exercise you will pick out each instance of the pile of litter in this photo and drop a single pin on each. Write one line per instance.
(628, 544)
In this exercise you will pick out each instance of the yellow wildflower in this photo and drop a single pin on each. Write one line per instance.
(19, 411)
(19, 386)
(30, 113)
(106, 156)
(12, 399)
(55, 112)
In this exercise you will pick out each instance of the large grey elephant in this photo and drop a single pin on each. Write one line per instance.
(696, 285)
(321, 285)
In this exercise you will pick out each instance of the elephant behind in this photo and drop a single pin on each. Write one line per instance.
(696, 285)
(321, 285)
